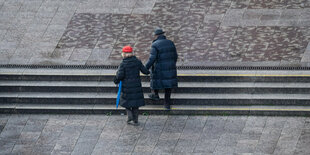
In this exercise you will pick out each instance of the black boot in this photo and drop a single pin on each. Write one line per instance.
(154, 97)
(135, 116)
(130, 115)
(167, 98)
(167, 106)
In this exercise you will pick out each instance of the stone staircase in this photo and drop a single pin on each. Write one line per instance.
(210, 92)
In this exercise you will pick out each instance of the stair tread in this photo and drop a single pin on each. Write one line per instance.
(174, 95)
(99, 72)
(154, 107)
(147, 84)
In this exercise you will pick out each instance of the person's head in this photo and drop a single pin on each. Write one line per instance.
(158, 32)
(127, 52)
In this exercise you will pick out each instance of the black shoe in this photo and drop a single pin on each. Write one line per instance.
(129, 121)
(135, 123)
(154, 97)
(167, 106)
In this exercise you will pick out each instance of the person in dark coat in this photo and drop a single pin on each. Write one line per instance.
(129, 73)
(163, 58)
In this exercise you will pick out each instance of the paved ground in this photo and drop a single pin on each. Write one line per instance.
(101, 134)
(92, 32)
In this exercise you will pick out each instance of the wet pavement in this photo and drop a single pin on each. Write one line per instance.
(156, 134)
(92, 32)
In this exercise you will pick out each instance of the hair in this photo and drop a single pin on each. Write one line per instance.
(126, 55)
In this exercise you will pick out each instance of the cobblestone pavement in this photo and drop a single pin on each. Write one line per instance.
(102, 134)
(92, 32)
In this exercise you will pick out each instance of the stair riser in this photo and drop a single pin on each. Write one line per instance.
(109, 101)
(147, 90)
(147, 78)
(156, 112)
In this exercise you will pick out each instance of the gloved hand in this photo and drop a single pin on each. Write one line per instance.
(115, 80)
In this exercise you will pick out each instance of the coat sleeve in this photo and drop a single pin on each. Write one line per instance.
(152, 58)
(143, 69)
(120, 74)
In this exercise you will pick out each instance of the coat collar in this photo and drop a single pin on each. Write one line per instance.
(129, 58)
(160, 37)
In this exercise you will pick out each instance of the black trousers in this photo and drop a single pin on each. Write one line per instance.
(167, 95)
(132, 114)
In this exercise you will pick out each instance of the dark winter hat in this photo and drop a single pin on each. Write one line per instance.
(127, 49)
(158, 31)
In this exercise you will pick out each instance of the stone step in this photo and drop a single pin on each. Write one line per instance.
(181, 78)
(183, 75)
(156, 109)
(178, 98)
(184, 87)
(147, 84)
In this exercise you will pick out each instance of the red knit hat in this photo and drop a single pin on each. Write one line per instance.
(127, 49)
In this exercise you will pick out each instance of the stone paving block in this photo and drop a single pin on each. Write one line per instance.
(48, 138)
(62, 54)
(246, 146)
(142, 153)
(68, 138)
(147, 141)
(306, 55)
(104, 146)
(21, 56)
(6, 56)
(12, 6)
(206, 146)
(31, 6)
(165, 146)
(275, 123)
(266, 147)
(34, 125)
(307, 124)
(289, 14)
(51, 131)
(193, 127)
(28, 138)
(251, 133)
(113, 128)
(228, 139)
(270, 134)
(18, 119)
(6, 146)
(2, 124)
(214, 128)
(11, 132)
(235, 125)
(185, 146)
(79, 56)
(84, 146)
(175, 124)
(223, 150)
(293, 124)
(303, 142)
(44, 150)
(98, 56)
(22, 149)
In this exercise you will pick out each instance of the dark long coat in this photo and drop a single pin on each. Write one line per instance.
(163, 60)
(129, 73)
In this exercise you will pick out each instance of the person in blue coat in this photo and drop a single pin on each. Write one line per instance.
(162, 61)
(131, 94)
